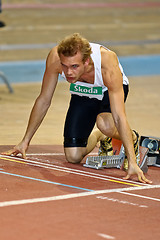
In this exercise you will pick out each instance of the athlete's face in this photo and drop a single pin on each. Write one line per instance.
(73, 67)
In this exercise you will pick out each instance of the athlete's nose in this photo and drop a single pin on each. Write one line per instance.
(69, 72)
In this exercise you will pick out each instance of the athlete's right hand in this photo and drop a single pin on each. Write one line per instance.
(20, 148)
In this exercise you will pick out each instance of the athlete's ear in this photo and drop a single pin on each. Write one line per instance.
(87, 62)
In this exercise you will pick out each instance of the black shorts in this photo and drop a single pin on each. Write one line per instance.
(81, 117)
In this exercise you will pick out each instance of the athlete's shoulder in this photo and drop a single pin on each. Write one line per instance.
(53, 59)
(108, 57)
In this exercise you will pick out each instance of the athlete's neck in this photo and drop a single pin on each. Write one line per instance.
(88, 75)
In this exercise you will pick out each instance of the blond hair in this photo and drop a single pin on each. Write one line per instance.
(70, 45)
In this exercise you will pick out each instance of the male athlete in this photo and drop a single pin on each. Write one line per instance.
(98, 89)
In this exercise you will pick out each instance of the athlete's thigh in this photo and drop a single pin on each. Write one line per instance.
(105, 122)
(80, 120)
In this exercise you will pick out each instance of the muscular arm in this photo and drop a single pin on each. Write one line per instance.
(112, 78)
(41, 104)
(43, 101)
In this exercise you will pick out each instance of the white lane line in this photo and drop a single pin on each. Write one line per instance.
(74, 195)
(45, 154)
(76, 172)
(72, 169)
(83, 174)
(52, 154)
(86, 172)
(105, 236)
(121, 201)
(141, 196)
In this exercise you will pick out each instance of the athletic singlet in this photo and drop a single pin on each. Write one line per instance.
(97, 89)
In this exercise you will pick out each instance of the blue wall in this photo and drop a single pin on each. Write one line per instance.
(32, 71)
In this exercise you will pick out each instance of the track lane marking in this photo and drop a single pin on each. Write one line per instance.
(13, 160)
(115, 200)
(72, 171)
(105, 236)
(44, 181)
(141, 196)
(73, 195)
(96, 174)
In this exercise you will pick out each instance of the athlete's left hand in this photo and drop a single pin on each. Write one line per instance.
(134, 169)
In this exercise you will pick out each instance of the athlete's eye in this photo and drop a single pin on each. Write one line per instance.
(75, 66)
(63, 65)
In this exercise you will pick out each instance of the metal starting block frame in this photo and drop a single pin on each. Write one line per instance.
(100, 162)
(116, 161)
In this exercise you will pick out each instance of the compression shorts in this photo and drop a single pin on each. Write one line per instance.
(81, 117)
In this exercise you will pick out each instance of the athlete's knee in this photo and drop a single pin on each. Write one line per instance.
(73, 155)
(75, 149)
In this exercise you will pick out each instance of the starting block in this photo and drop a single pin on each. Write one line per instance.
(117, 159)
(100, 162)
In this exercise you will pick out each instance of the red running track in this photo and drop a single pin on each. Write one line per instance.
(44, 197)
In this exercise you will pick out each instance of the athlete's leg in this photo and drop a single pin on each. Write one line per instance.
(76, 154)
(80, 121)
(105, 121)
(106, 125)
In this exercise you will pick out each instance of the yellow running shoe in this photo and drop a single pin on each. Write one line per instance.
(105, 148)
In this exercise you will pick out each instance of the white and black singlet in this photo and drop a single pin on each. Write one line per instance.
(87, 101)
